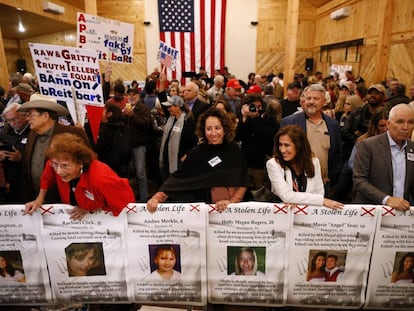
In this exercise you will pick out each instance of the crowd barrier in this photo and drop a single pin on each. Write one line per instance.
(190, 254)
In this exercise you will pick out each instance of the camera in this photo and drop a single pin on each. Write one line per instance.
(252, 107)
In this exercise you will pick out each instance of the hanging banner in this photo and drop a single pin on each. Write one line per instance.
(391, 286)
(85, 256)
(247, 253)
(167, 253)
(112, 39)
(23, 270)
(329, 253)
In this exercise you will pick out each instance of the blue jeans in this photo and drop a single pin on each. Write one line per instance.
(139, 158)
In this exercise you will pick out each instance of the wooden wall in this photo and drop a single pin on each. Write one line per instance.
(387, 27)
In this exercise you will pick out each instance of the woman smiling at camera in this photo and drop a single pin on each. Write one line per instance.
(82, 181)
(213, 172)
(295, 174)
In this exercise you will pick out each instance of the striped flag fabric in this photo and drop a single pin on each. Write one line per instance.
(196, 28)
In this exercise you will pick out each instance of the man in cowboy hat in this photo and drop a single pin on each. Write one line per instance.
(43, 113)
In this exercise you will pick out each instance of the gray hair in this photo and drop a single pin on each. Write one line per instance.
(401, 106)
(316, 87)
(218, 78)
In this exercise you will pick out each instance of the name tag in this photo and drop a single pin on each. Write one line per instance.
(214, 161)
(410, 156)
(89, 195)
(176, 129)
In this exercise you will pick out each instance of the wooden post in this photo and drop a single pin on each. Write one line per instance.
(4, 72)
(291, 41)
(90, 7)
(382, 54)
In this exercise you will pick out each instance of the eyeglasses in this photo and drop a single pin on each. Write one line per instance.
(63, 166)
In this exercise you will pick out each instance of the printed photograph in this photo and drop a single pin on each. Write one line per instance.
(326, 266)
(85, 259)
(11, 267)
(403, 271)
(165, 262)
(242, 260)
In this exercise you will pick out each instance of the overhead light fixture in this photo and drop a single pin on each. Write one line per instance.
(53, 7)
(21, 27)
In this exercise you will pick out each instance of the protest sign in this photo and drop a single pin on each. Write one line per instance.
(83, 256)
(167, 55)
(329, 255)
(167, 253)
(391, 283)
(112, 39)
(247, 253)
(24, 277)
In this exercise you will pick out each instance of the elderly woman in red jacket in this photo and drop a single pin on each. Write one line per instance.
(82, 181)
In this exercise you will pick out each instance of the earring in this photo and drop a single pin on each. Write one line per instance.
(81, 170)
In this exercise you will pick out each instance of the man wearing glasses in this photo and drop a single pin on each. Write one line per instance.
(42, 114)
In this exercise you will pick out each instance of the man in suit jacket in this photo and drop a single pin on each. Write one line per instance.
(321, 141)
(384, 164)
(43, 113)
(197, 107)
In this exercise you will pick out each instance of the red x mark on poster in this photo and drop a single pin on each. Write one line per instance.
(47, 210)
(367, 211)
(133, 209)
(281, 209)
(195, 208)
(212, 208)
(299, 210)
(388, 210)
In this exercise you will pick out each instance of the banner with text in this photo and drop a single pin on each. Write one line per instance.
(167, 55)
(167, 253)
(23, 269)
(391, 285)
(329, 255)
(246, 253)
(112, 39)
(71, 75)
(85, 257)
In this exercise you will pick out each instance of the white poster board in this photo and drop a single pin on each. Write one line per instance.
(24, 278)
(249, 231)
(167, 253)
(343, 239)
(85, 257)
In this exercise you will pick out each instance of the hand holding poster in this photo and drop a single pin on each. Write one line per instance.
(84, 255)
(391, 285)
(167, 253)
(329, 255)
(247, 253)
(114, 40)
(23, 271)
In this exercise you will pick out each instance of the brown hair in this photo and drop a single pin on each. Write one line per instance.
(72, 147)
(303, 158)
(226, 121)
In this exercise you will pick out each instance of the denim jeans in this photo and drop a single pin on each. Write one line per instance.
(139, 159)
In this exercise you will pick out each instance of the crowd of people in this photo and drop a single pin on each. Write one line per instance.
(212, 139)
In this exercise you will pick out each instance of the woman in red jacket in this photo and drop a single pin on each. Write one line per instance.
(82, 181)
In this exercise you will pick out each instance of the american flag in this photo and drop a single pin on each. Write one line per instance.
(197, 29)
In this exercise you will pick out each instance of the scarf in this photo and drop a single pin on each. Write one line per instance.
(173, 130)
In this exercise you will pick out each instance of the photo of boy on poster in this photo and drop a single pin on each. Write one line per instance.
(85, 259)
(165, 263)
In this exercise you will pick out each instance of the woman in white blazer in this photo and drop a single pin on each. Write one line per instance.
(294, 173)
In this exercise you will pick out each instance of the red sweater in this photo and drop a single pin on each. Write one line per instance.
(98, 188)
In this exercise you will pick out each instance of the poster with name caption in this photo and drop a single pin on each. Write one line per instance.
(167, 253)
(391, 285)
(112, 39)
(24, 278)
(246, 253)
(69, 74)
(329, 255)
(85, 256)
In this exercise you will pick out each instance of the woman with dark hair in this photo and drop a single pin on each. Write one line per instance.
(316, 272)
(213, 172)
(294, 172)
(8, 273)
(84, 259)
(81, 179)
(405, 270)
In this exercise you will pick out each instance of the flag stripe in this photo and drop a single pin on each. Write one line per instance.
(203, 47)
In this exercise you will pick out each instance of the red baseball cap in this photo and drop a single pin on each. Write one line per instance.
(234, 83)
(254, 89)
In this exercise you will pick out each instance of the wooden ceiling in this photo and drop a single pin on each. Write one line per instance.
(37, 25)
